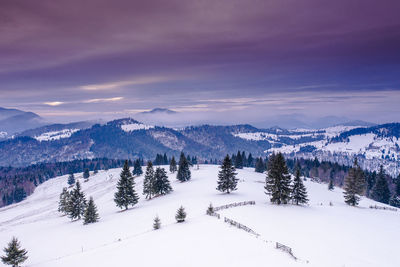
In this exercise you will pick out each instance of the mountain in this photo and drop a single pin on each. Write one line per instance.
(318, 234)
(56, 131)
(159, 111)
(129, 138)
(14, 120)
(372, 146)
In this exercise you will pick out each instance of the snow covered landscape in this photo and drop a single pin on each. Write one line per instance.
(326, 232)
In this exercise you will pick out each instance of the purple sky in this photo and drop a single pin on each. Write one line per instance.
(218, 61)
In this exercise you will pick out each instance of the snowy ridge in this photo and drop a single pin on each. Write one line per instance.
(56, 135)
(319, 233)
(135, 127)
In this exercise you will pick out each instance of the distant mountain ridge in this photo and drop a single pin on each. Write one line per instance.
(129, 138)
(14, 120)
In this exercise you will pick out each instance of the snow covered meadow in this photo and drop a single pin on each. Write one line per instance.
(327, 232)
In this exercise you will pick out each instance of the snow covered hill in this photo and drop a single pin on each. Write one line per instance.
(320, 234)
(373, 146)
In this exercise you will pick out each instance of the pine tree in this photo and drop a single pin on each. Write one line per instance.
(86, 174)
(90, 215)
(180, 215)
(210, 210)
(244, 159)
(161, 182)
(397, 186)
(148, 182)
(172, 165)
(354, 185)
(183, 174)
(331, 186)
(126, 195)
(64, 201)
(14, 254)
(238, 161)
(395, 201)
(381, 192)
(77, 203)
(299, 191)
(137, 168)
(71, 179)
(250, 161)
(277, 183)
(157, 223)
(260, 165)
(165, 159)
(227, 180)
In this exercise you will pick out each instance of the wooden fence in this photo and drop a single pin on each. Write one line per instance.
(237, 204)
(382, 208)
(240, 226)
(285, 249)
(244, 227)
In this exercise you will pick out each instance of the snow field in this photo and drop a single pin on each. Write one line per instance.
(324, 235)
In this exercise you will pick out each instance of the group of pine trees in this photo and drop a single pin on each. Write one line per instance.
(279, 186)
(156, 182)
(162, 159)
(357, 185)
(74, 204)
(240, 160)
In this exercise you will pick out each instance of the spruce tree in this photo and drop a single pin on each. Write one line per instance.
(381, 192)
(71, 179)
(148, 182)
(180, 215)
(260, 165)
(63, 203)
(172, 165)
(77, 203)
(86, 174)
(299, 191)
(331, 186)
(250, 161)
(244, 159)
(126, 195)
(183, 174)
(137, 168)
(227, 180)
(354, 185)
(395, 201)
(15, 255)
(239, 161)
(157, 223)
(277, 183)
(161, 182)
(90, 215)
(397, 186)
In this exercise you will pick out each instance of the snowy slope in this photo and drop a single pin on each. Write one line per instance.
(324, 235)
(56, 135)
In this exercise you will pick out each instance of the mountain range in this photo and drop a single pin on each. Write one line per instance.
(15, 120)
(129, 138)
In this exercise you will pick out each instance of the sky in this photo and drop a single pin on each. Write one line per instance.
(212, 61)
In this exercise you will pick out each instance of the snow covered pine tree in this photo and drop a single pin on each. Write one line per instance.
(125, 195)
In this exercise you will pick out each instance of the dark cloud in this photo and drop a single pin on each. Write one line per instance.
(175, 53)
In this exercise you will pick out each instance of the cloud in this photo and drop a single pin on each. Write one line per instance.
(102, 100)
(118, 84)
(53, 104)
